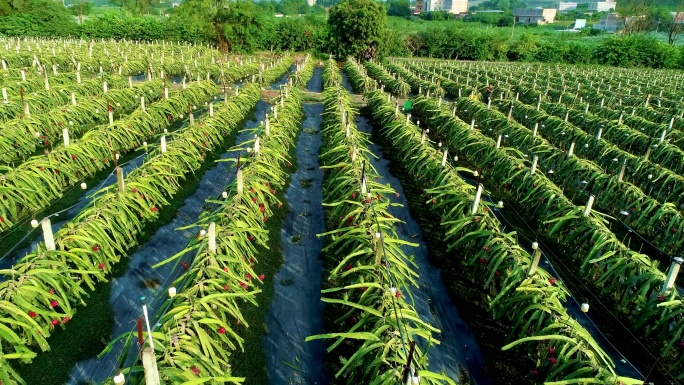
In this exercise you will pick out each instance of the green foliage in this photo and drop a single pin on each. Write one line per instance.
(398, 8)
(436, 15)
(36, 18)
(525, 48)
(357, 28)
(123, 26)
(635, 50)
(81, 8)
(136, 7)
(504, 5)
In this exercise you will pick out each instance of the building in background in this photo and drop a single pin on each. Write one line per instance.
(610, 23)
(566, 6)
(420, 6)
(678, 17)
(537, 15)
(451, 6)
(311, 2)
(602, 6)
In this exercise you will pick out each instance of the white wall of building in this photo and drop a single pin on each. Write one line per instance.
(452, 6)
(602, 6)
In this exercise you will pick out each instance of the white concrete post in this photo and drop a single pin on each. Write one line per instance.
(65, 135)
(212, 238)
(672, 274)
(478, 195)
(120, 179)
(48, 237)
(587, 208)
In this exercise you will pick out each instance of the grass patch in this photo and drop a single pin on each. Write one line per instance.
(89, 332)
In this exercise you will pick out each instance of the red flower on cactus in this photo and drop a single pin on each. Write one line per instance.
(476, 219)
(195, 370)
(535, 372)
(135, 190)
(485, 248)
(280, 205)
(73, 156)
(55, 322)
(352, 320)
(262, 277)
(349, 267)
(261, 209)
(225, 269)
(552, 360)
(396, 194)
(96, 248)
(482, 261)
(243, 285)
(250, 238)
(226, 287)
(51, 291)
(2, 219)
(267, 184)
(101, 266)
(251, 190)
(353, 195)
(248, 276)
(497, 273)
(272, 191)
(154, 209)
(398, 295)
(434, 201)
(221, 330)
(59, 124)
(66, 319)
(552, 280)
(552, 351)
(32, 314)
(53, 303)
(265, 219)
(254, 200)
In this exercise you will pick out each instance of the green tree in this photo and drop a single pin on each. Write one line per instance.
(293, 7)
(81, 8)
(36, 18)
(136, 7)
(357, 28)
(398, 8)
(236, 26)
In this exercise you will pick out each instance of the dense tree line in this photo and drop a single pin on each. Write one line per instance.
(354, 27)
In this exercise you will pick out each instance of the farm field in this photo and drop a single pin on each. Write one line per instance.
(171, 214)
